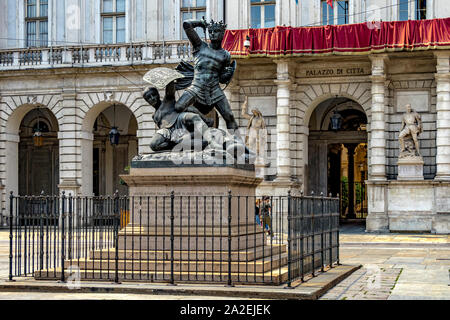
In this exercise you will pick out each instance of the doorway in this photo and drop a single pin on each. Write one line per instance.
(38, 153)
(337, 157)
(109, 160)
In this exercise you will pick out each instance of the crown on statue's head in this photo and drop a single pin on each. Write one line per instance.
(216, 26)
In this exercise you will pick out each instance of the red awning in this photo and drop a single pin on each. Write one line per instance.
(350, 39)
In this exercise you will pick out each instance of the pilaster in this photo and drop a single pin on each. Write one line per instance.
(443, 115)
(377, 142)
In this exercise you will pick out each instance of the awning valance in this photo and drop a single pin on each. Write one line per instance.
(350, 39)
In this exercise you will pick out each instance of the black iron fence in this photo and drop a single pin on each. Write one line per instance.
(353, 205)
(172, 238)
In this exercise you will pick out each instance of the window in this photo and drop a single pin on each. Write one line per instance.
(36, 21)
(327, 14)
(340, 10)
(403, 13)
(421, 9)
(113, 21)
(193, 9)
(262, 13)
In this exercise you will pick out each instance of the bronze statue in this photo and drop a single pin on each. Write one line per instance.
(173, 126)
(212, 66)
(410, 130)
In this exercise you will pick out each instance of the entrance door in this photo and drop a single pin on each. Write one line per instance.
(337, 157)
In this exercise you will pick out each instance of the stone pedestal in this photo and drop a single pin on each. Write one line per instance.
(410, 168)
(191, 223)
(409, 206)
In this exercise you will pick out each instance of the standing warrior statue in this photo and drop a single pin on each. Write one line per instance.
(411, 127)
(256, 138)
(212, 67)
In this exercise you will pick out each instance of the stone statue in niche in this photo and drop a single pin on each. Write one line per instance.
(256, 138)
(409, 132)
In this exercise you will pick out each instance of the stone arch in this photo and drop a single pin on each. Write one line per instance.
(16, 107)
(131, 100)
(328, 113)
(94, 105)
(14, 115)
(310, 96)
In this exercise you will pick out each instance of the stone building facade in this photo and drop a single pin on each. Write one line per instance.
(87, 77)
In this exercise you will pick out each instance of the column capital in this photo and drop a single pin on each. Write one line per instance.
(379, 64)
(282, 82)
(442, 76)
(282, 69)
(442, 61)
(379, 78)
(281, 60)
(442, 54)
(379, 57)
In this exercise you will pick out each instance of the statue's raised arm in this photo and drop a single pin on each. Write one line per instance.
(189, 27)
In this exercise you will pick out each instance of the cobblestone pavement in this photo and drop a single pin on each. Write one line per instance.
(100, 296)
(395, 266)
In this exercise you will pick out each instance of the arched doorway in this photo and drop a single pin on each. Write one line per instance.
(38, 153)
(111, 160)
(337, 159)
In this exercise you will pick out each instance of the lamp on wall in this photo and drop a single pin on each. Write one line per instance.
(247, 42)
(38, 139)
(114, 134)
(336, 120)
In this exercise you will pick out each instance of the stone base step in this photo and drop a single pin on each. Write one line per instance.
(273, 277)
(151, 255)
(216, 242)
(260, 265)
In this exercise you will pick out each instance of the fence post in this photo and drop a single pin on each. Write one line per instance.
(63, 236)
(229, 239)
(313, 229)
(11, 204)
(172, 237)
(70, 227)
(322, 258)
(289, 217)
(116, 236)
(337, 231)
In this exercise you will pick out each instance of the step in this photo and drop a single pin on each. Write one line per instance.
(163, 242)
(151, 255)
(256, 266)
(274, 277)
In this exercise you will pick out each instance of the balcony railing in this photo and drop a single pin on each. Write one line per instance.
(95, 55)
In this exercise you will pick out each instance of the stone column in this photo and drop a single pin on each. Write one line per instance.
(443, 116)
(11, 167)
(86, 140)
(69, 147)
(377, 218)
(283, 125)
(377, 142)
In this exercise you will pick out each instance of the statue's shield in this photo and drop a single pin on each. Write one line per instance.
(161, 77)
